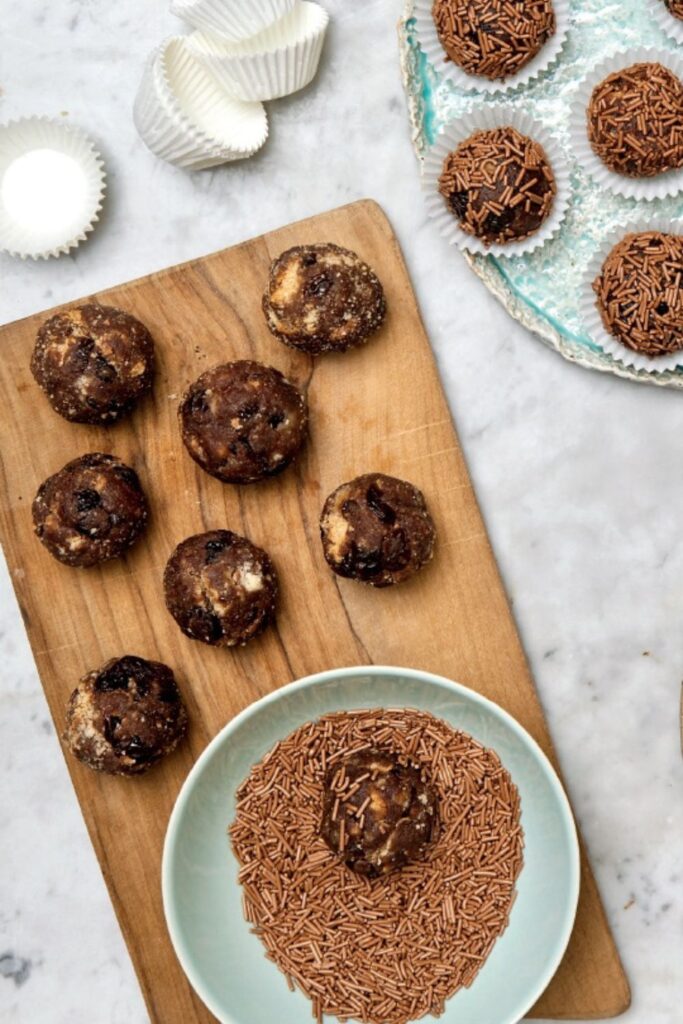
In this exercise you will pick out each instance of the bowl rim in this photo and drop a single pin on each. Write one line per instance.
(318, 678)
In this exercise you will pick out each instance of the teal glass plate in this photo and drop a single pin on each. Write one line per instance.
(226, 964)
(541, 290)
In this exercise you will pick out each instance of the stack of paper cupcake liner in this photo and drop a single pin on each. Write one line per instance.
(200, 100)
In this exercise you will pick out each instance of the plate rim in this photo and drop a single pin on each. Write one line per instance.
(309, 682)
(488, 271)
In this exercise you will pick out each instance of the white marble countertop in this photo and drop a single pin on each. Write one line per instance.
(579, 476)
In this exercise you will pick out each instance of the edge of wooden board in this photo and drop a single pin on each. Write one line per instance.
(549, 1005)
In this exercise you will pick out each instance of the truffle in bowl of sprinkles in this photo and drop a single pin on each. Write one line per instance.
(395, 843)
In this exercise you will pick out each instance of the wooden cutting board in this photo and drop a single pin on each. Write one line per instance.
(380, 407)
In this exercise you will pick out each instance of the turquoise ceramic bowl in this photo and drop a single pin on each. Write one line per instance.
(225, 963)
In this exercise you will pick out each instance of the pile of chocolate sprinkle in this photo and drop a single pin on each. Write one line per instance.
(499, 185)
(635, 120)
(493, 38)
(392, 949)
(640, 292)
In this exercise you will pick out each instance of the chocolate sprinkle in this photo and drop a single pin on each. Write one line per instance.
(640, 292)
(635, 120)
(499, 185)
(493, 38)
(393, 949)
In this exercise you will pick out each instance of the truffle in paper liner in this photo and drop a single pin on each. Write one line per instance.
(670, 25)
(668, 183)
(432, 47)
(590, 311)
(449, 139)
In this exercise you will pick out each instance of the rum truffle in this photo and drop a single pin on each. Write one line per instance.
(93, 363)
(639, 292)
(378, 812)
(243, 421)
(499, 184)
(90, 511)
(493, 38)
(635, 120)
(322, 298)
(125, 717)
(220, 588)
(377, 529)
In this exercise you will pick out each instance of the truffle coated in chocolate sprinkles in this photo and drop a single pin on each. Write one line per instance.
(493, 38)
(389, 950)
(640, 292)
(635, 120)
(499, 184)
(675, 8)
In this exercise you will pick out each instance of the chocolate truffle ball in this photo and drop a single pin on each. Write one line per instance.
(220, 588)
(124, 717)
(377, 529)
(493, 38)
(499, 184)
(378, 812)
(93, 363)
(675, 7)
(92, 510)
(322, 298)
(635, 120)
(243, 421)
(639, 292)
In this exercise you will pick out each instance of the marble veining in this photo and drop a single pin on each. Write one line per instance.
(578, 475)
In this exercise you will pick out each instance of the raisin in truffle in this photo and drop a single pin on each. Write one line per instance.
(675, 7)
(378, 812)
(243, 421)
(493, 38)
(220, 588)
(635, 121)
(499, 185)
(93, 363)
(124, 717)
(90, 511)
(377, 529)
(322, 298)
(639, 292)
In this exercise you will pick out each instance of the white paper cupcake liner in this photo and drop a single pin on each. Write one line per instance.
(431, 46)
(279, 61)
(234, 19)
(185, 118)
(667, 184)
(588, 305)
(459, 130)
(673, 27)
(52, 184)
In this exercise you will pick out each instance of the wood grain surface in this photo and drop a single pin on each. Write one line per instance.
(380, 407)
